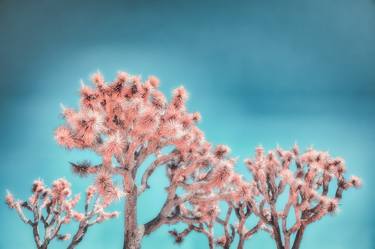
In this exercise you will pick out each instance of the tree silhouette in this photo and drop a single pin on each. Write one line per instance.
(51, 208)
(313, 182)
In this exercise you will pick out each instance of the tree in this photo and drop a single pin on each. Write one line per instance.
(51, 208)
(306, 180)
(127, 121)
(305, 185)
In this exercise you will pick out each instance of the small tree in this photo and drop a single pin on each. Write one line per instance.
(125, 122)
(51, 208)
(313, 181)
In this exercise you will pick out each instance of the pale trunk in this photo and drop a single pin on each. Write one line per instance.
(241, 242)
(133, 235)
(276, 232)
(210, 242)
(298, 239)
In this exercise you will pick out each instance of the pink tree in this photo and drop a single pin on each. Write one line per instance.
(127, 121)
(306, 180)
(51, 208)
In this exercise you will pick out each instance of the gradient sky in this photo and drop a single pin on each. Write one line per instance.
(260, 72)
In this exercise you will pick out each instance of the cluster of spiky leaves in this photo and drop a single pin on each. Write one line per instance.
(126, 116)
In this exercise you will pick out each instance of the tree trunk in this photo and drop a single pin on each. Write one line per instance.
(45, 245)
(241, 242)
(298, 239)
(211, 242)
(276, 232)
(226, 245)
(133, 235)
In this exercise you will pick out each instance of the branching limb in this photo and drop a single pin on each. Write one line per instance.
(162, 160)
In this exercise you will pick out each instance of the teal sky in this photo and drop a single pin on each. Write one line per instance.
(260, 72)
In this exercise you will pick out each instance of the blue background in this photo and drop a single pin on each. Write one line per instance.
(260, 72)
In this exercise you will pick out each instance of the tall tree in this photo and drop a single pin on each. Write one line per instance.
(127, 121)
